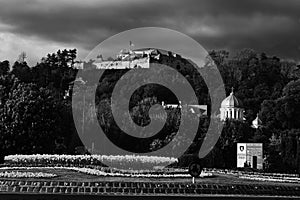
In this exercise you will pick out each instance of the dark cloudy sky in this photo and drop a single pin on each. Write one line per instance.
(42, 26)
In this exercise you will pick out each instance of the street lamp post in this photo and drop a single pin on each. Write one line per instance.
(297, 155)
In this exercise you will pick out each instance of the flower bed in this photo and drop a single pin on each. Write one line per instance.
(259, 176)
(139, 175)
(128, 161)
(17, 174)
(120, 173)
(240, 173)
(270, 178)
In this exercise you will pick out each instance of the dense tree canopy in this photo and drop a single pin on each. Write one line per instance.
(36, 111)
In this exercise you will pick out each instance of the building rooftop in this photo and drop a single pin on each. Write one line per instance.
(231, 101)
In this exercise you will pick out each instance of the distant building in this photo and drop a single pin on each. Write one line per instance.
(124, 64)
(199, 110)
(128, 59)
(165, 106)
(78, 65)
(231, 108)
(250, 155)
(138, 58)
(256, 123)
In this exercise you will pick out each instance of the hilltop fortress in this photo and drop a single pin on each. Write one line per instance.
(138, 58)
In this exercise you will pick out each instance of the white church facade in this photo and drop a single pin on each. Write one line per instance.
(231, 108)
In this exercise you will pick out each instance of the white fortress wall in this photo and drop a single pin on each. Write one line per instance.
(124, 64)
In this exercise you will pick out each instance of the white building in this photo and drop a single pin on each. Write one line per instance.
(231, 108)
(199, 110)
(124, 64)
(138, 58)
(250, 155)
(256, 123)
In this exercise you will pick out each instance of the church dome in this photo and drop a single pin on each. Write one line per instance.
(231, 108)
(231, 102)
(256, 122)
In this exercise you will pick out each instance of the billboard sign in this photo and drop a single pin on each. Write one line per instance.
(250, 154)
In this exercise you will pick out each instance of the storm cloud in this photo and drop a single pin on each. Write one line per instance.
(266, 26)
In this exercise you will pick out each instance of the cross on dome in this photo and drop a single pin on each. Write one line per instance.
(232, 89)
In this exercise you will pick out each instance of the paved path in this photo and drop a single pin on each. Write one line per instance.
(73, 185)
(145, 189)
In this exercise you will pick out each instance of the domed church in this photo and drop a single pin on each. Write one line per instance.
(231, 108)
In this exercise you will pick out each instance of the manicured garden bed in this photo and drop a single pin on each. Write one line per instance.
(126, 161)
(18, 174)
(92, 165)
